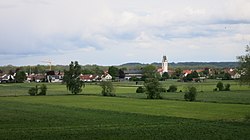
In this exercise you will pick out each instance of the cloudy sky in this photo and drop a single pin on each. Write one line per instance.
(113, 32)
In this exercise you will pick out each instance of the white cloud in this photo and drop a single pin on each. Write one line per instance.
(114, 32)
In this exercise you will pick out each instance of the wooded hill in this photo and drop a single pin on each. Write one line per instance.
(183, 65)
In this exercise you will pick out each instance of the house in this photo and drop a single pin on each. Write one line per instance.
(6, 78)
(186, 72)
(53, 77)
(137, 73)
(106, 77)
(89, 78)
(36, 78)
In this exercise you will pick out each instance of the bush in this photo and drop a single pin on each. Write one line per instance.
(191, 94)
(140, 90)
(107, 88)
(220, 86)
(172, 88)
(33, 91)
(152, 88)
(162, 89)
(43, 89)
(227, 87)
(215, 89)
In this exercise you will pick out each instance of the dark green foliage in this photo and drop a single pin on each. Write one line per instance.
(43, 89)
(165, 76)
(172, 88)
(121, 74)
(107, 88)
(227, 76)
(34, 90)
(220, 86)
(140, 90)
(227, 87)
(20, 77)
(152, 88)
(113, 71)
(149, 71)
(245, 67)
(191, 94)
(72, 78)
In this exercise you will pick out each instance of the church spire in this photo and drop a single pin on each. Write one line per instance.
(165, 64)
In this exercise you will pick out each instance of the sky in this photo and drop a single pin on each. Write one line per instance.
(113, 32)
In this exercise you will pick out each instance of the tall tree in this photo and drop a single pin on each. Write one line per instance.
(121, 74)
(245, 67)
(149, 71)
(165, 76)
(114, 71)
(72, 78)
(152, 88)
(20, 76)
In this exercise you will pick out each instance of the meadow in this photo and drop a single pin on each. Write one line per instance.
(129, 115)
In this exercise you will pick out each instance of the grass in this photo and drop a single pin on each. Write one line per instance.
(91, 117)
(61, 115)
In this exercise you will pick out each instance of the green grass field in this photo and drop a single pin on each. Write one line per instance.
(129, 115)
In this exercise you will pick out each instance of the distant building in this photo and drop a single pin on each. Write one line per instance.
(136, 73)
(164, 64)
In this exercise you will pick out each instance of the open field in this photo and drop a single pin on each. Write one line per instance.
(60, 115)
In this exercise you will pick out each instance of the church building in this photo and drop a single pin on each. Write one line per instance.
(164, 64)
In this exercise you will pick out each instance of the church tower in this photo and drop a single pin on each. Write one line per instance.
(164, 64)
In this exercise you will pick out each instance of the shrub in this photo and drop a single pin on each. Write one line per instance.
(33, 91)
(162, 89)
(215, 89)
(107, 88)
(220, 86)
(227, 87)
(172, 88)
(152, 88)
(43, 89)
(191, 94)
(140, 90)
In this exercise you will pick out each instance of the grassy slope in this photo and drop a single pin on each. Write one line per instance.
(96, 117)
(196, 110)
(239, 94)
(87, 117)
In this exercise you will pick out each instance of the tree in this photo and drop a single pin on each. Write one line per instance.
(227, 87)
(72, 78)
(20, 76)
(149, 71)
(140, 90)
(220, 86)
(43, 89)
(87, 71)
(152, 88)
(165, 76)
(113, 71)
(245, 67)
(172, 88)
(121, 74)
(177, 73)
(227, 76)
(107, 88)
(191, 94)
